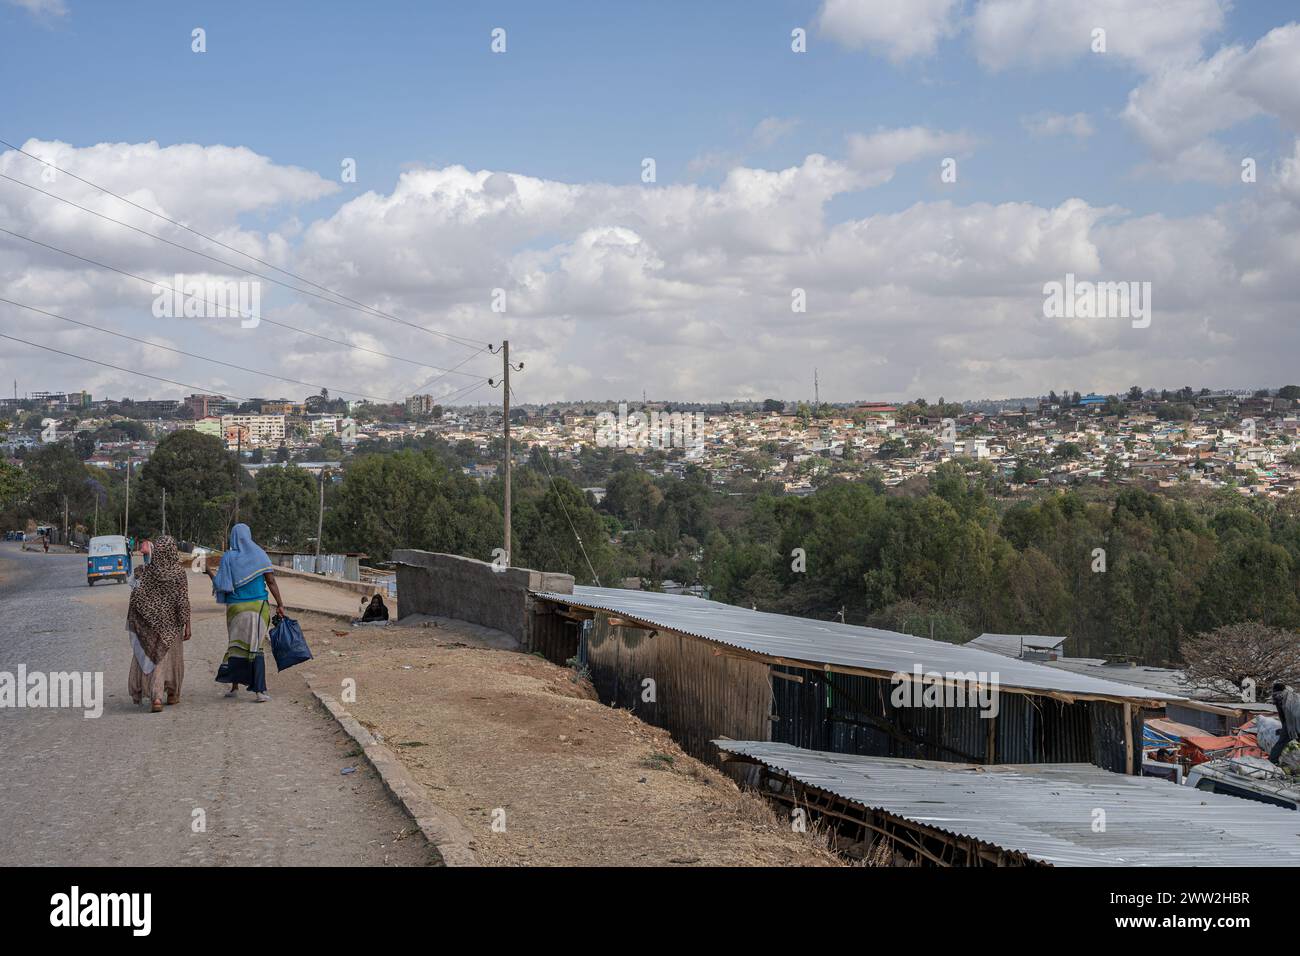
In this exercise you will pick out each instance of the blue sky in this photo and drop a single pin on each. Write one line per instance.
(586, 90)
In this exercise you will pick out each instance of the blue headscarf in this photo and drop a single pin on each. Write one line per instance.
(243, 562)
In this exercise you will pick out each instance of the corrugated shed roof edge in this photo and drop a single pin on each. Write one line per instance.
(1120, 695)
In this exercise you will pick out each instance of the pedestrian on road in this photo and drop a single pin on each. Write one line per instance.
(241, 583)
(158, 620)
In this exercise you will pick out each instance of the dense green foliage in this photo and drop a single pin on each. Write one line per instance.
(199, 476)
(1128, 573)
(1130, 576)
(285, 509)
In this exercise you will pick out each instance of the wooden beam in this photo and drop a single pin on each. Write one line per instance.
(1128, 740)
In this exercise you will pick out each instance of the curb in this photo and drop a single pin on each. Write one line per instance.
(444, 832)
(337, 615)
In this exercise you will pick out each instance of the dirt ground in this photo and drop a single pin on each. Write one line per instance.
(579, 783)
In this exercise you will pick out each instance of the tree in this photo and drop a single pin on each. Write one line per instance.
(199, 476)
(559, 531)
(15, 486)
(58, 476)
(631, 496)
(1250, 579)
(410, 499)
(285, 511)
(1233, 654)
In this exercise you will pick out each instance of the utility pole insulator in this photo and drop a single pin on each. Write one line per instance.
(505, 404)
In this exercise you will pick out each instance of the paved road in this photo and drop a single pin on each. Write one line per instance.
(122, 789)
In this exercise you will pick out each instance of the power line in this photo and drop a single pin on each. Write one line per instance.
(462, 392)
(129, 371)
(202, 389)
(202, 358)
(356, 306)
(565, 508)
(260, 318)
(450, 371)
(215, 241)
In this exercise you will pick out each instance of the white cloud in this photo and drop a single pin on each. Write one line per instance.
(42, 9)
(1182, 105)
(773, 129)
(1146, 34)
(769, 131)
(879, 154)
(1288, 175)
(1205, 162)
(683, 290)
(898, 30)
(1077, 125)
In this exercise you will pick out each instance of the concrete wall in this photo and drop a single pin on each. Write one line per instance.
(447, 585)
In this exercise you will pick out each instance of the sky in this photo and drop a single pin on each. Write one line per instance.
(694, 202)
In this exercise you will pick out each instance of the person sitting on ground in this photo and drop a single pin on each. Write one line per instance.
(376, 611)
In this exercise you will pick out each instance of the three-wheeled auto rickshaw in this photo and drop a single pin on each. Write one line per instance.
(106, 557)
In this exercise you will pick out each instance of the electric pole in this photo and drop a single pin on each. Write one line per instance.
(164, 510)
(65, 521)
(320, 519)
(505, 406)
(239, 458)
(126, 522)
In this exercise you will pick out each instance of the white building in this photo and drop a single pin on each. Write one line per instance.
(260, 429)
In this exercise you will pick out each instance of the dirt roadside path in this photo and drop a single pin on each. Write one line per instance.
(502, 736)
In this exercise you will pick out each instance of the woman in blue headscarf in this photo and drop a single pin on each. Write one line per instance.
(241, 584)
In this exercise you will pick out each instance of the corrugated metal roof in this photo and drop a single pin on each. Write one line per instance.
(817, 643)
(1011, 645)
(1167, 679)
(1046, 811)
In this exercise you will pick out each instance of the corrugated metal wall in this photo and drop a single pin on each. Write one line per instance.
(552, 636)
(840, 713)
(702, 692)
(699, 692)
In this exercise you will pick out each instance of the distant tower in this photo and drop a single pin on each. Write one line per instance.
(817, 392)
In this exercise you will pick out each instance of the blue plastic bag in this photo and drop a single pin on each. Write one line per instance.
(288, 645)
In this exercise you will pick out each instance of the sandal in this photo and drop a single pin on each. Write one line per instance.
(156, 706)
(173, 698)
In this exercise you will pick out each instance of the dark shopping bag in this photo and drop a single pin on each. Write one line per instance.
(288, 645)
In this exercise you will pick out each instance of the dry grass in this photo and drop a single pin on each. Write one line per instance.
(499, 735)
